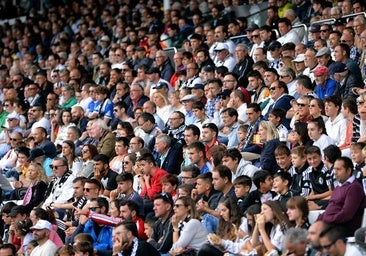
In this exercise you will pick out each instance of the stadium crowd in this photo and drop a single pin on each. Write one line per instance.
(127, 129)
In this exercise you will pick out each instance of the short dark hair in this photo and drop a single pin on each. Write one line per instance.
(332, 152)
(284, 176)
(196, 131)
(101, 157)
(9, 246)
(224, 172)
(231, 112)
(243, 180)
(130, 226)
(305, 81)
(233, 153)
(132, 205)
(278, 112)
(212, 127)
(286, 21)
(312, 150)
(255, 106)
(260, 177)
(337, 101)
(126, 176)
(148, 157)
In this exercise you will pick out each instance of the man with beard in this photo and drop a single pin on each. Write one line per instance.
(41, 233)
(78, 118)
(126, 241)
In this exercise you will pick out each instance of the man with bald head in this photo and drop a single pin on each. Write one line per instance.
(313, 236)
(78, 118)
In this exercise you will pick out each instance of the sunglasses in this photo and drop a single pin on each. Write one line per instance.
(87, 189)
(301, 104)
(55, 166)
(178, 205)
(272, 88)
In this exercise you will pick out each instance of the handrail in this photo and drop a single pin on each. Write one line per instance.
(330, 21)
(238, 37)
(306, 32)
(354, 14)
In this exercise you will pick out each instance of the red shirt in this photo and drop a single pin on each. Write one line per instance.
(155, 185)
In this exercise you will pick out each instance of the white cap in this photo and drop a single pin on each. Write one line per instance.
(221, 46)
(42, 224)
(299, 58)
(13, 115)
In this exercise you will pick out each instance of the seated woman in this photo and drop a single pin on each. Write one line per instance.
(269, 137)
(230, 229)
(298, 211)
(318, 133)
(269, 231)
(188, 231)
(36, 190)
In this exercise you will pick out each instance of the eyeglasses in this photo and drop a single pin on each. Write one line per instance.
(283, 76)
(93, 208)
(324, 31)
(345, 41)
(126, 162)
(327, 247)
(272, 88)
(13, 139)
(85, 151)
(178, 205)
(255, 36)
(301, 104)
(186, 178)
(6, 105)
(55, 166)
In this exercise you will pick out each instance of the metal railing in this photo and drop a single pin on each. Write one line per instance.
(306, 36)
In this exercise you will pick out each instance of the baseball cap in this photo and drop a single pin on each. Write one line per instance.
(42, 224)
(337, 67)
(13, 115)
(321, 71)
(299, 58)
(221, 46)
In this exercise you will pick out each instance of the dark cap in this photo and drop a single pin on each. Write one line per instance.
(153, 70)
(274, 45)
(198, 86)
(314, 28)
(153, 30)
(252, 26)
(34, 153)
(225, 93)
(196, 36)
(160, 85)
(209, 68)
(19, 209)
(337, 67)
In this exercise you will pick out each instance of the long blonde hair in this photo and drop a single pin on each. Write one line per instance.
(272, 132)
(40, 170)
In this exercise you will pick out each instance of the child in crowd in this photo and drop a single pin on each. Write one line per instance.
(242, 134)
(281, 184)
(242, 185)
(263, 181)
(320, 179)
(149, 227)
(283, 158)
(300, 185)
(358, 158)
(275, 116)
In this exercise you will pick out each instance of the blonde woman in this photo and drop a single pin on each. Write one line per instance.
(163, 107)
(36, 190)
(268, 135)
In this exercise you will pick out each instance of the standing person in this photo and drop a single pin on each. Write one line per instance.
(41, 234)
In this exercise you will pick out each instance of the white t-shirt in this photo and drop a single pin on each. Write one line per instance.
(48, 248)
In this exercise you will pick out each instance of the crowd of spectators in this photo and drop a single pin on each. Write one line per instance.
(127, 129)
